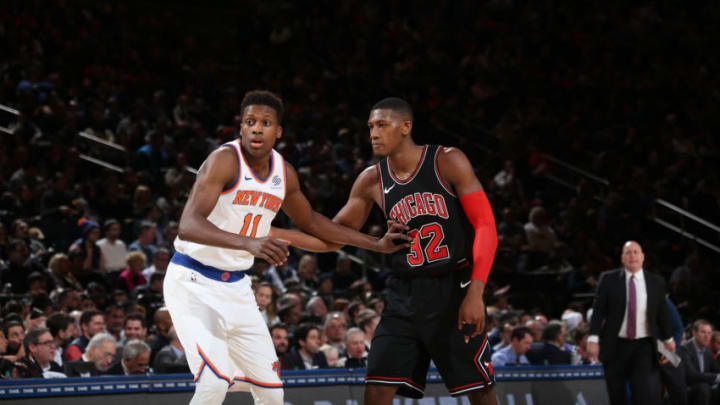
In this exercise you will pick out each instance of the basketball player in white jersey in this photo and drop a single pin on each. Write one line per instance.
(224, 226)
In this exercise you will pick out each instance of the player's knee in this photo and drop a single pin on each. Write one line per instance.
(483, 397)
(376, 393)
(269, 396)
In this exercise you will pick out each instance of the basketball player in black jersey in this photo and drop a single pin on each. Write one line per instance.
(435, 303)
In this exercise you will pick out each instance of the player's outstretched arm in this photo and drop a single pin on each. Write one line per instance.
(219, 170)
(297, 207)
(456, 170)
(312, 244)
(302, 240)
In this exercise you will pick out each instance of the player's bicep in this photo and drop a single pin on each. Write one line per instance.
(357, 208)
(211, 179)
(456, 170)
(295, 204)
(354, 213)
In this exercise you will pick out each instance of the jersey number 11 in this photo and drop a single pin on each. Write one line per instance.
(246, 224)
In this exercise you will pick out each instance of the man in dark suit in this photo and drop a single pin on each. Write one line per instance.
(550, 350)
(171, 358)
(629, 315)
(40, 351)
(306, 355)
(701, 370)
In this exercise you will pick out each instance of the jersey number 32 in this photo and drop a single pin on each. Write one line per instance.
(433, 250)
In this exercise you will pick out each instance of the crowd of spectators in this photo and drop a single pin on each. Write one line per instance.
(626, 92)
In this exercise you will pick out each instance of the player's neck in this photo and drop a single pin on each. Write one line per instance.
(259, 165)
(405, 160)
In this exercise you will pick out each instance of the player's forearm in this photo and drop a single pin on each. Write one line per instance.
(322, 227)
(479, 213)
(303, 241)
(200, 230)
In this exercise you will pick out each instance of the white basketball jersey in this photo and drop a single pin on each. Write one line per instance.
(247, 209)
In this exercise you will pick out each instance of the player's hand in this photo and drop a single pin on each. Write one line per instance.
(593, 350)
(394, 239)
(272, 250)
(472, 311)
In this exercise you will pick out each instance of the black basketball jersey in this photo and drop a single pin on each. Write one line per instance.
(443, 236)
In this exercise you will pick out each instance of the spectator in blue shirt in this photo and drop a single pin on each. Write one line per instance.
(514, 354)
(145, 240)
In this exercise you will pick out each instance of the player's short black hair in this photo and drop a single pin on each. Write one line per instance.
(264, 97)
(395, 104)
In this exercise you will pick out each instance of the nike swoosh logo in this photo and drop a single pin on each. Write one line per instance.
(387, 190)
(464, 284)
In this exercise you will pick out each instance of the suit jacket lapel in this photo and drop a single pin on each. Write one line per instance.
(692, 353)
(623, 292)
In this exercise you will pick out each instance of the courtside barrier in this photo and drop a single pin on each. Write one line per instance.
(572, 385)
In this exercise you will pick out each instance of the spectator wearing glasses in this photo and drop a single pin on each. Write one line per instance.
(96, 360)
(135, 359)
(40, 348)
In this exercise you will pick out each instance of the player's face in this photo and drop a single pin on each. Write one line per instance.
(387, 130)
(259, 130)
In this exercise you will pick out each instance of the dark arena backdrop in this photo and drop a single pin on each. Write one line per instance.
(595, 121)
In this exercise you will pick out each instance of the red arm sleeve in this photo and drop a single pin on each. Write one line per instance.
(477, 208)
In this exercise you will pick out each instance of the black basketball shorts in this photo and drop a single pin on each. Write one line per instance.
(407, 339)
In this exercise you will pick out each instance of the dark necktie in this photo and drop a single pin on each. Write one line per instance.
(632, 309)
(701, 361)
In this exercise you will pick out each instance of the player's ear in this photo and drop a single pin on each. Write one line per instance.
(407, 127)
(279, 132)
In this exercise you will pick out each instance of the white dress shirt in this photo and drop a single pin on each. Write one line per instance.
(641, 325)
